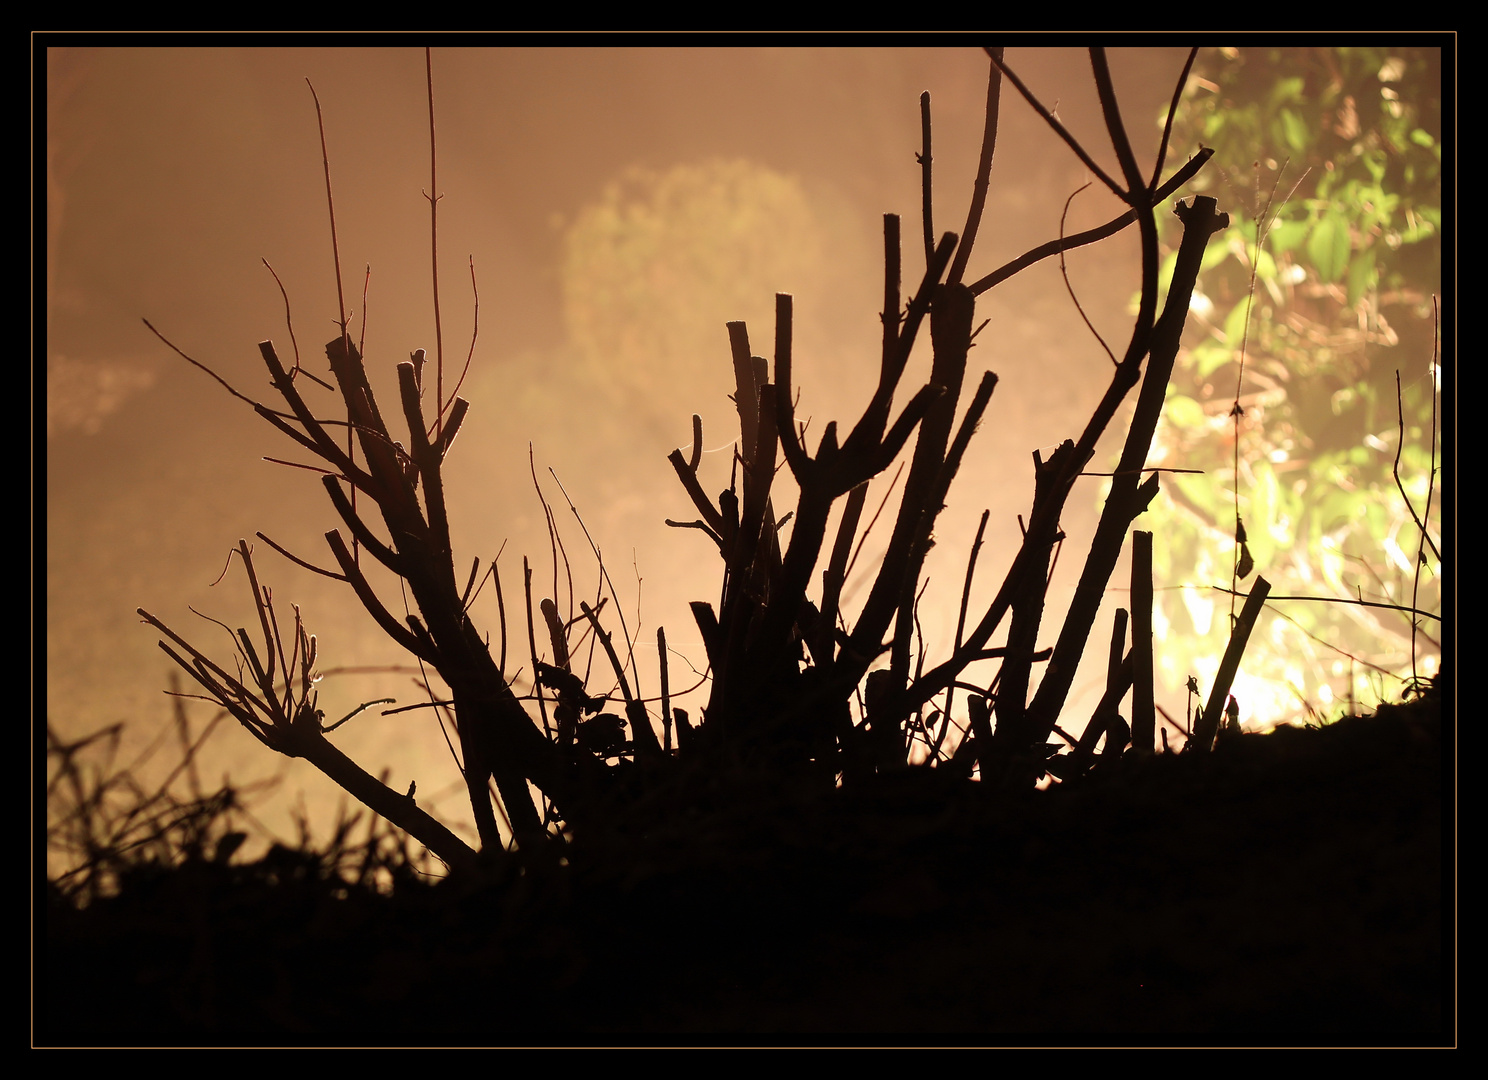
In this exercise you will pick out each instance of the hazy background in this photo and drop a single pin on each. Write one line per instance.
(620, 205)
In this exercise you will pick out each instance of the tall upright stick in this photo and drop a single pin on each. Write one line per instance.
(1208, 725)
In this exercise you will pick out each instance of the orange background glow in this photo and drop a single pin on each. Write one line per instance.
(619, 207)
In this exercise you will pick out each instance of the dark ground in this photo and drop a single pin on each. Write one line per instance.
(1293, 888)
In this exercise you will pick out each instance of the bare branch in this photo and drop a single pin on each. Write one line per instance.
(1162, 150)
(197, 363)
(1059, 128)
(1349, 600)
(1064, 270)
(1395, 469)
(984, 169)
(923, 157)
(384, 618)
(1091, 236)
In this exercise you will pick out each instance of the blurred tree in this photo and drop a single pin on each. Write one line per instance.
(1329, 164)
(652, 270)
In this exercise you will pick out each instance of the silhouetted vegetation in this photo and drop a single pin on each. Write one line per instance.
(847, 836)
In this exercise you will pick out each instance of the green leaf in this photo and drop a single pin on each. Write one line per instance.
(1265, 266)
(1295, 131)
(1234, 324)
(1289, 89)
(1262, 513)
(1376, 165)
(1165, 272)
(1201, 491)
(1184, 412)
(1209, 356)
(1286, 235)
(1328, 247)
(1214, 254)
(1362, 276)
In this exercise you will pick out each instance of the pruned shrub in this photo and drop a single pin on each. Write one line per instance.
(798, 685)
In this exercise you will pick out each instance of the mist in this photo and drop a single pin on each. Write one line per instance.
(618, 207)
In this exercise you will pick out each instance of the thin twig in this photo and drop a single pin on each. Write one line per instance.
(1430, 476)
(923, 157)
(642, 736)
(1330, 645)
(433, 196)
(197, 363)
(470, 584)
(871, 522)
(1064, 270)
(331, 206)
(474, 336)
(300, 465)
(1162, 150)
(1425, 540)
(619, 611)
(542, 704)
(971, 561)
(362, 336)
(1091, 236)
(554, 541)
(487, 576)
(1236, 412)
(340, 296)
(666, 690)
(1355, 602)
(501, 614)
(1138, 472)
(289, 323)
(1400, 445)
(1059, 128)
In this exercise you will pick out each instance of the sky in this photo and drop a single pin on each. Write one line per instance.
(612, 209)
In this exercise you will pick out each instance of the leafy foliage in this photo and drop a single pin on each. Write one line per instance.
(1329, 164)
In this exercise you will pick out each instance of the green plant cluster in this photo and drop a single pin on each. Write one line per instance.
(1329, 164)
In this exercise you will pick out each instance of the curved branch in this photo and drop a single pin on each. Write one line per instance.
(984, 170)
(699, 498)
(301, 562)
(364, 536)
(1404, 609)
(1111, 110)
(1091, 236)
(384, 618)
